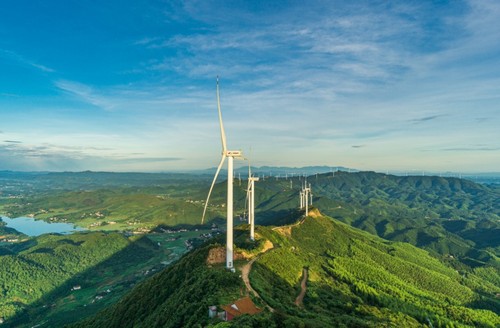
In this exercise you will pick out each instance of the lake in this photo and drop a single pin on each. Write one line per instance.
(32, 227)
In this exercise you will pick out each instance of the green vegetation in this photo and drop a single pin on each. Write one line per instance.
(8, 234)
(455, 219)
(50, 262)
(179, 296)
(104, 201)
(117, 209)
(39, 276)
(380, 282)
(355, 280)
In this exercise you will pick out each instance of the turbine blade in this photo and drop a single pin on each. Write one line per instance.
(222, 132)
(212, 187)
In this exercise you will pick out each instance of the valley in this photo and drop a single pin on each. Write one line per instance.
(53, 279)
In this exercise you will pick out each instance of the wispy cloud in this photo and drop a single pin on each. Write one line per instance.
(146, 41)
(315, 49)
(12, 141)
(58, 157)
(24, 61)
(472, 149)
(147, 160)
(85, 93)
(425, 119)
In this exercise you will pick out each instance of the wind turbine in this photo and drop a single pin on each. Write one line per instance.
(311, 195)
(251, 201)
(305, 194)
(230, 155)
(306, 199)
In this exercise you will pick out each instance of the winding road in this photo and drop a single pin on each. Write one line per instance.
(245, 271)
(303, 288)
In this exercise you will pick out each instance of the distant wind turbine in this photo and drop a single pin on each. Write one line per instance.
(230, 155)
(305, 197)
(251, 201)
(307, 191)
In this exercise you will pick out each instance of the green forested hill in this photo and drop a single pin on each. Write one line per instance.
(355, 280)
(36, 274)
(179, 296)
(354, 272)
(452, 217)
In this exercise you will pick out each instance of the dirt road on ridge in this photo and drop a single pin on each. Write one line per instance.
(245, 271)
(303, 288)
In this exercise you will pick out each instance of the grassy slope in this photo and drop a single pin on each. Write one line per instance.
(355, 279)
(386, 282)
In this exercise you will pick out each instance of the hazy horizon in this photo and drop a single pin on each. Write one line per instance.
(124, 86)
(280, 171)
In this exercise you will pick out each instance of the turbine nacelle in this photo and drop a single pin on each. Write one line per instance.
(233, 153)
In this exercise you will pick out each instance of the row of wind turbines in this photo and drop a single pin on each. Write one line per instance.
(230, 155)
(306, 197)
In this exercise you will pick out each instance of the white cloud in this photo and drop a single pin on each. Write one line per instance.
(25, 61)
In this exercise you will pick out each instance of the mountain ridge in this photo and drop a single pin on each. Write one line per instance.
(340, 292)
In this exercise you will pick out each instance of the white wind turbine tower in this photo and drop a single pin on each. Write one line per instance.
(230, 155)
(306, 199)
(251, 201)
(305, 194)
(311, 195)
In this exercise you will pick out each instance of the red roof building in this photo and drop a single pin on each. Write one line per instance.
(242, 306)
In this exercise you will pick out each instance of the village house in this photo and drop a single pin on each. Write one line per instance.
(242, 306)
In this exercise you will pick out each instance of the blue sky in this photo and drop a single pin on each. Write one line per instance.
(130, 85)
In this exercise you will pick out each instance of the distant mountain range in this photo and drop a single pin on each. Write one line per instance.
(283, 171)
